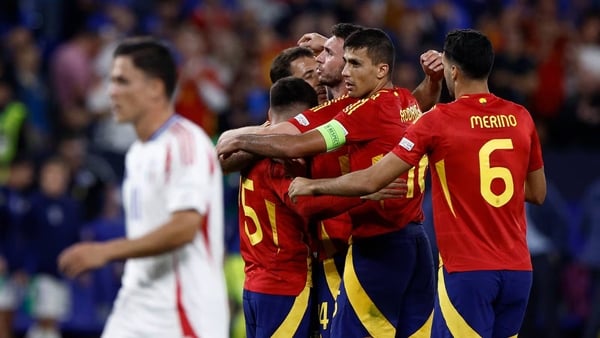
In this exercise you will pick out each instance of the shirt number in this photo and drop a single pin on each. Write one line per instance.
(489, 173)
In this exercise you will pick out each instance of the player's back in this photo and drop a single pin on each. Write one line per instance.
(274, 238)
(483, 148)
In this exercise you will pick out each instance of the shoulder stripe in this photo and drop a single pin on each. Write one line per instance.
(185, 141)
(351, 108)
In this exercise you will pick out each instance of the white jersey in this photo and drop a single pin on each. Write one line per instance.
(176, 169)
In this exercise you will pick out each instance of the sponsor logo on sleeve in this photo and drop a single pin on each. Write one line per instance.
(302, 120)
(406, 144)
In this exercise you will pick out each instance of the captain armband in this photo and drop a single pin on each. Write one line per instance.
(334, 134)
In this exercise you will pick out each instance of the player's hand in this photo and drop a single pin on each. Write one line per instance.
(431, 62)
(300, 186)
(82, 257)
(312, 41)
(396, 189)
(226, 147)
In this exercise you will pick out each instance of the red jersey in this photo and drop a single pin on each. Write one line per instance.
(333, 233)
(481, 149)
(373, 126)
(321, 114)
(274, 238)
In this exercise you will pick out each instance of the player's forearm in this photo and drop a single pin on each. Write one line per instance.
(180, 230)
(323, 207)
(357, 183)
(237, 161)
(274, 146)
(535, 187)
(428, 93)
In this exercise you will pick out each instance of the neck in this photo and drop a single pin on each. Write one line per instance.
(339, 90)
(471, 87)
(384, 84)
(151, 122)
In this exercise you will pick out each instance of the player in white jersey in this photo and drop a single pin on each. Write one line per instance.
(173, 283)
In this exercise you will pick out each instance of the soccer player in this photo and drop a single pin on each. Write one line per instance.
(275, 241)
(486, 161)
(173, 284)
(298, 62)
(335, 233)
(387, 288)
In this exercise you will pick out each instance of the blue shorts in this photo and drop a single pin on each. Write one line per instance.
(481, 303)
(277, 316)
(327, 277)
(388, 286)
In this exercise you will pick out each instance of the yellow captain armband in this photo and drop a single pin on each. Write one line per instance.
(334, 134)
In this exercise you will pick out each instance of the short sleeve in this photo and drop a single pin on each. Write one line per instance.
(417, 139)
(188, 176)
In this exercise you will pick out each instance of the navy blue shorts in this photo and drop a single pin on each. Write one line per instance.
(388, 287)
(327, 277)
(277, 316)
(481, 303)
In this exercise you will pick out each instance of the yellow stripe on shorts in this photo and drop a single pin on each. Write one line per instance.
(367, 312)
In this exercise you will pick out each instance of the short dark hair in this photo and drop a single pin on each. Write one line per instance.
(378, 44)
(281, 65)
(344, 30)
(471, 50)
(152, 57)
(292, 91)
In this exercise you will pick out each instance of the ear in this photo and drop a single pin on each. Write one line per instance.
(454, 72)
(383, 70)
(156, 87)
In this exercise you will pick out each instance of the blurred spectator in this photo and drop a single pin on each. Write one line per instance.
(514, 77)
(590, 256)
(71, 76)
(14, 205)
(548, 39)
(91, 176)
(547, 239)
(12, 125)
(201, 94)
(52, 224)
(31, 86)
(110, 224)
(581, 113)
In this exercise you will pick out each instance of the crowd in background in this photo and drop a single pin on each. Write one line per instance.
(61, 153)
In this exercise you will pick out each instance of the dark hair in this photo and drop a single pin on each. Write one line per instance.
(281, 65)
(290, 91)
(344, 30)
(153, 58)
(471, 50)
(378, 44)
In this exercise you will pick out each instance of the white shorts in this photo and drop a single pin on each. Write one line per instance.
(8, 295)
(51, 297)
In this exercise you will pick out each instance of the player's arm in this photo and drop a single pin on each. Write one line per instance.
(312, 41)
(242, 159)
(357, 183)
(278, 145)
(322, 207)
(428, 91)
(535, 187)
(181, 229)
